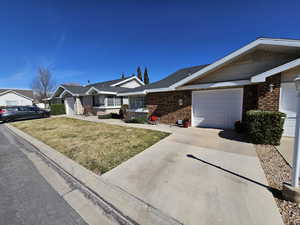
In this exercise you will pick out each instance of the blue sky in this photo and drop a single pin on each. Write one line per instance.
(98, 40)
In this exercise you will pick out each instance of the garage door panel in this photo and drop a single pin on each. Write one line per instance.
(217, 108)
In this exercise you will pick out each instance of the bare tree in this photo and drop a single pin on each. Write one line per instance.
(43, 84)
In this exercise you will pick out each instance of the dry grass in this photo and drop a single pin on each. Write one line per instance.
(97, 146)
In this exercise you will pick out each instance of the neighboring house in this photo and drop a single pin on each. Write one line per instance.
(16, 97)
(100, 97)
(259, 75)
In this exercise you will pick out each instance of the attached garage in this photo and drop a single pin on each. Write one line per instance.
(218, 108)
(288, 105)
(69, 104)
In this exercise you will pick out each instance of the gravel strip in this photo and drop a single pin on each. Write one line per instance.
(277, 172)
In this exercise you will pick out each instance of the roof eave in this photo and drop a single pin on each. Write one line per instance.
(237, 53)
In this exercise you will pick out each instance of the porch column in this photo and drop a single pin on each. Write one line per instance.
(79, 107)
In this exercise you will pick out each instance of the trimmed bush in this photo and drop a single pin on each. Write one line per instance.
(57, 109)
(264, 127)
(105, 116)
(109, 116)
(137, 120)
(115, 116)
(239, 127)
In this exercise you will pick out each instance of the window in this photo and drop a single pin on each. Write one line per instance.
(118, 101)
(110, 100)
(98, 100)
(114, 101)
(137, 102)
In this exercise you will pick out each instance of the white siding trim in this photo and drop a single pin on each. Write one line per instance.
(216, 85)
(129, 79)
(262, 77)
(132, 93)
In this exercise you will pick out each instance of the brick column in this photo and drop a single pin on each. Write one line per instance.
(269, 99)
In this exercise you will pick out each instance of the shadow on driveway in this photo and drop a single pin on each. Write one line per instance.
(276, 192)
(232, 135)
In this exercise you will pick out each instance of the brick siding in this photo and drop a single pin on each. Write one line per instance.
(260, 97)
(166, 105)
(268, 100)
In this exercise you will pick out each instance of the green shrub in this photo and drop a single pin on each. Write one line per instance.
(264, 127)
(137, 120)
(115, 116)
(109, 116)
(57, 109)
(239, 127)
(105, 116)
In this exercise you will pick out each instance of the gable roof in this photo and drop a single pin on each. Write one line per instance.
(167, 81)
(262, 76)
(247, 48)
(106, 87)
(22, 92)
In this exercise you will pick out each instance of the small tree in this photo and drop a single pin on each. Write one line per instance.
(122, 76)
(43, 84)
(139, 73)
(146, 76)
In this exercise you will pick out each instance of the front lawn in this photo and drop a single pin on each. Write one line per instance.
(97, 146)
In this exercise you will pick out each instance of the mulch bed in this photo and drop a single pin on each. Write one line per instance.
(278, 171)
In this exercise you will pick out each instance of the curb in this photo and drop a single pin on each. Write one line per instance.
(119, 202)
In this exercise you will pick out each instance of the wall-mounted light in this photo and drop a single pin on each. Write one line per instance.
(180, 101)
(271, 87)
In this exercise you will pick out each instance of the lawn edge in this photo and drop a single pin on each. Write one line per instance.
(121, 202)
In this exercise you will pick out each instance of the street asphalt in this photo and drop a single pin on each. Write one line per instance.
(25, 196)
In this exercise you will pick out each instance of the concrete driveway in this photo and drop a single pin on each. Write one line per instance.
(223, 184)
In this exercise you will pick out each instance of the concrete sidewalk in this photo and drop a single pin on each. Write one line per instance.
(225, 185)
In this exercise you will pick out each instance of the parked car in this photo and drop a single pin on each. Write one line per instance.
(11, 113)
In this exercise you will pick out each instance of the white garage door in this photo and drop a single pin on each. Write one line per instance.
(288, 105)
(217, 108)
(69, 104)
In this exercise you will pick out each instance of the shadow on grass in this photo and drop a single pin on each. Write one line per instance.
(276, 192)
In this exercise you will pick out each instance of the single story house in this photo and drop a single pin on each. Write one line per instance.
(259, 75)
(100, 98)
(16, 97)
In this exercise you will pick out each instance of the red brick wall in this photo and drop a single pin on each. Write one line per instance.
(260, 97)
(268, 100)
(166, 105)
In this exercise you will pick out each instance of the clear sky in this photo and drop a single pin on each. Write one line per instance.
(98, 40)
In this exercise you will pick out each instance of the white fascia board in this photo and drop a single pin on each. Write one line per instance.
(160, 90)
(262, 76)
(66, 91)
(91, 88)
(107, 93)
(16, 93)
(265, 41)
(52, 96)
(215, 85)
(129, 79)
(100, 92)
(132, 93)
